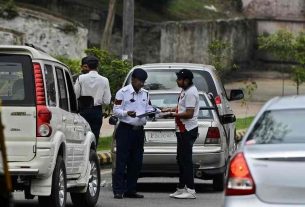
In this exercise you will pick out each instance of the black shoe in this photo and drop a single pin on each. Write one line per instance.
(118, 196)
(133, 195)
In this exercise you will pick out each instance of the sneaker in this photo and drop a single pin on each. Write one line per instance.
(187, 194)
(178, 192)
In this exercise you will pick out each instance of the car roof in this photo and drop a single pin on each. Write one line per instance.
(171, 92)
(191, 66)
(286, 102)
(34, 53)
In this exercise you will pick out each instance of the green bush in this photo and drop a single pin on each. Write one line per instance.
(73, 64)
(8, 9)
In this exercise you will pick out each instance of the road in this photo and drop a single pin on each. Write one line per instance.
(155, 190)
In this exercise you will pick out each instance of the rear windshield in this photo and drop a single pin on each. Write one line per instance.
(279, 126)
(165, 79)
(171, 100)
(15, 73)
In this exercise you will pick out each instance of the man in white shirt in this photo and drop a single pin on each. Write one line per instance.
(96, 86)
(185, 114)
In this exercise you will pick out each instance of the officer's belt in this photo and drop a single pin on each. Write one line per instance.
(123, 124)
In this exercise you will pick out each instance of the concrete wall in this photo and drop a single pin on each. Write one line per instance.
(52, 34)
(188, 41)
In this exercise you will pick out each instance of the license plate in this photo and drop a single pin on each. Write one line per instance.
(161, 136)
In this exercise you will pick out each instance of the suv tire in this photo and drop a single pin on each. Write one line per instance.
(59, 187)
(90, 197)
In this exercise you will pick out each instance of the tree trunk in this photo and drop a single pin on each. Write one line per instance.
(106, 39)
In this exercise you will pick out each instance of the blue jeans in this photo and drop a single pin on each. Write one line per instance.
(185, 142)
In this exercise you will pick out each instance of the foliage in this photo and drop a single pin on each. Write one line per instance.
(249, 89)
(280, 44)
(73, 64)
(298, 76)
(218, 55)
(69, 28)
(104, 143)
(156, 5)
(8, 10)
(244, 123)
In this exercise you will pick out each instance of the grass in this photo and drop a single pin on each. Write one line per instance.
(244, 123)
(104, 143)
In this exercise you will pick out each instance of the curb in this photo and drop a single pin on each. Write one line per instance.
(104, 157)
(240, 134)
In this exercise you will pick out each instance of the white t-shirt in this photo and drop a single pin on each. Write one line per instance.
(188, 98)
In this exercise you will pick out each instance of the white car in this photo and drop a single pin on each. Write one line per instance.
(210, 151)
(161, 76)
(268, 168)
(50, 147)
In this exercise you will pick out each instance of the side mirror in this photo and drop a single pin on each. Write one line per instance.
(236, 94)
(227, 118)
(113, 120)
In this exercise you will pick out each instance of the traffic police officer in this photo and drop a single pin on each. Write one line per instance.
(96, 86)
(130, 101)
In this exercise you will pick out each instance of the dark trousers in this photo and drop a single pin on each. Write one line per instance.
(94, 117)
(185, 142)
(129, 157)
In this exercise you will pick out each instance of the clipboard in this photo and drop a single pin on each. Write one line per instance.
(146, 114)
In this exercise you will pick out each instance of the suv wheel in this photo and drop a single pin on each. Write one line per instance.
(59, 187)
(93, 190)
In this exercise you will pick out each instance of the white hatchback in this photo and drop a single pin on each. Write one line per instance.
(50, 147)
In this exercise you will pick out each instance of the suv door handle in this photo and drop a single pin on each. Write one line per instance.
(64, 118)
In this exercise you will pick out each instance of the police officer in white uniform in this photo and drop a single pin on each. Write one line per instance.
(185, 114)
(97, 86)
(130, 101)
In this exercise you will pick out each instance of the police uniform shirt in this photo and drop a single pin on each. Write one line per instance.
(95, 85)
(126, 100)
(188, 99)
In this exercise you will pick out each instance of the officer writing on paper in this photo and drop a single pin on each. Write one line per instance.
(131, 102)
(92, 90)
(185, 115)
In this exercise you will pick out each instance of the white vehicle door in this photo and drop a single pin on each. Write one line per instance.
(79, 135)
(67, 118)
(18, 110)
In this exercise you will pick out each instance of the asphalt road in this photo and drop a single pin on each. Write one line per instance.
(155, 190)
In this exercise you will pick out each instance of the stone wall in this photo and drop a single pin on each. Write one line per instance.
(275, 9)
(55, 35)
(188, 41)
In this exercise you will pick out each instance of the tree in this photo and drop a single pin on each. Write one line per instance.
(218, 56)
(298, 75)
(279, 44)
(106, 39)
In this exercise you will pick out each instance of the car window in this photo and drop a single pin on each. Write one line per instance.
(71, 92)
(15, 72)
(50, 85)
(63, 99)
(279, 126)
(166, 80)
(171, 100)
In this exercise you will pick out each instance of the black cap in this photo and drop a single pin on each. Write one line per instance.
(140, 74)
(185, 74)
(91, 61)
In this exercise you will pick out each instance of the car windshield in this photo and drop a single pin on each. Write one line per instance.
(279, 126)
(166, 80)
(171, 100)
